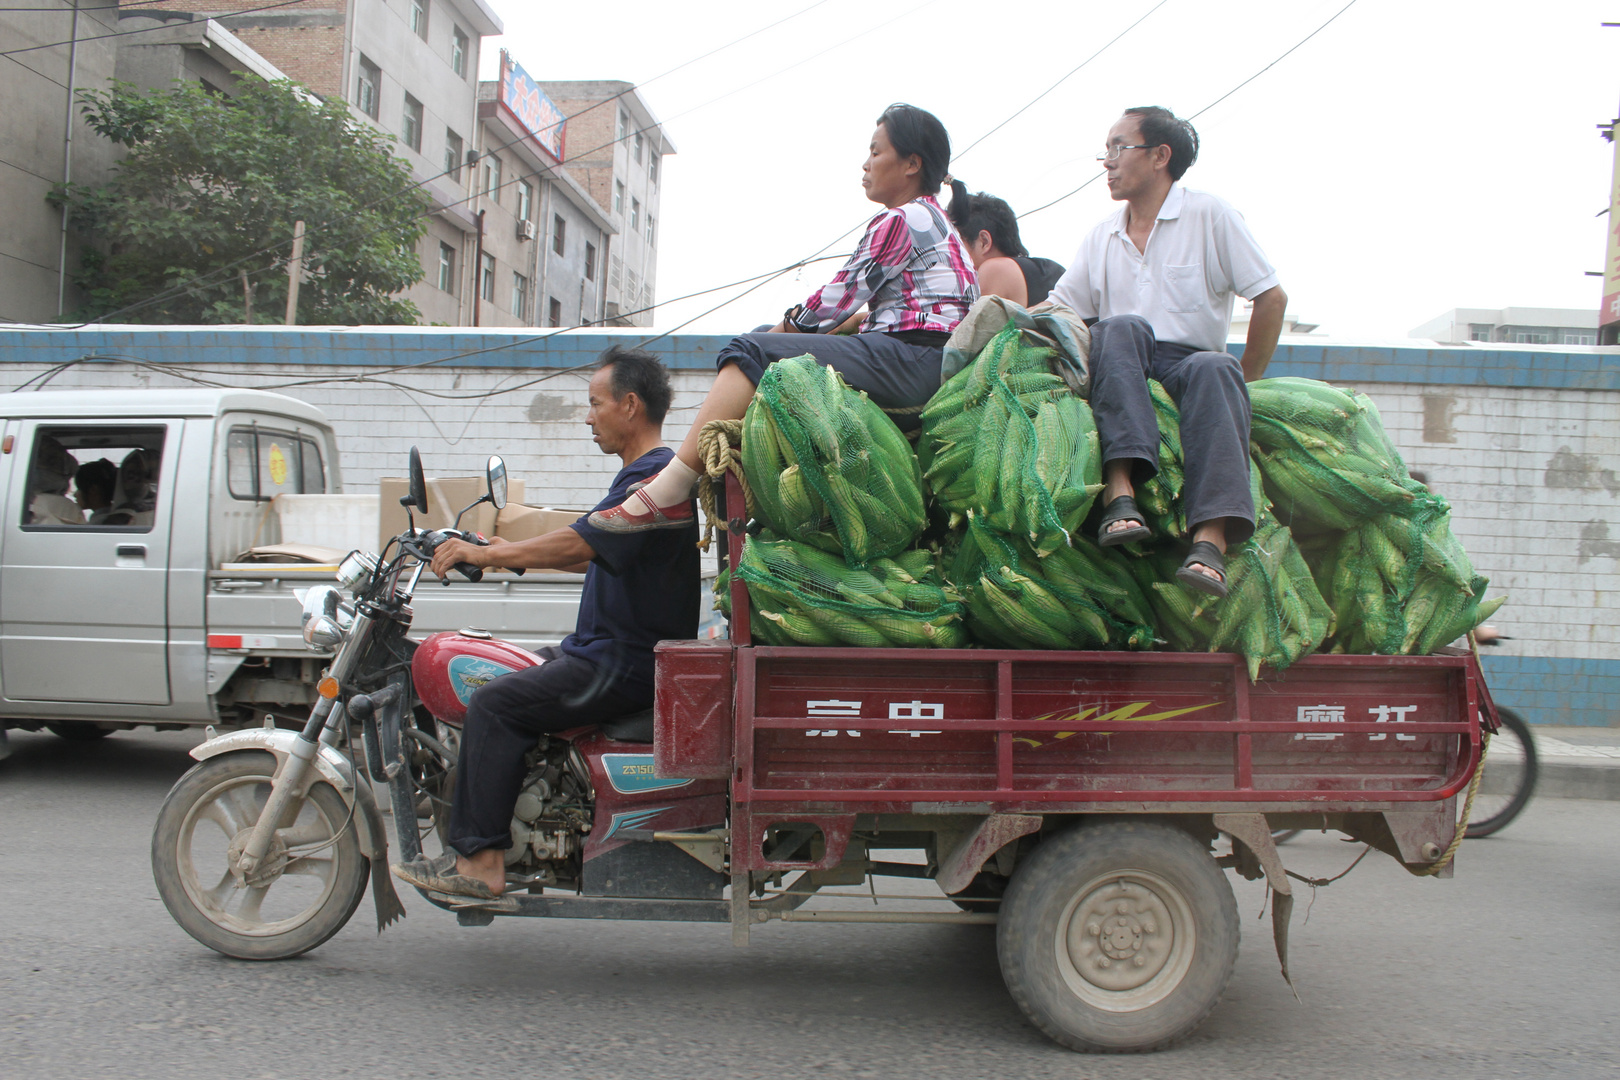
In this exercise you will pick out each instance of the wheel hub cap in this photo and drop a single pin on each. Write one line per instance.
(1120, 935)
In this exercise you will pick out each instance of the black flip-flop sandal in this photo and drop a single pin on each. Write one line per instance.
(1204, 553)
(1123, 508)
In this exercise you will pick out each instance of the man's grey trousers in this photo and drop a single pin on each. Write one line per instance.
(1207, 388)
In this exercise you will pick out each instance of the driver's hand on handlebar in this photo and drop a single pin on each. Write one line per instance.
(450, 552)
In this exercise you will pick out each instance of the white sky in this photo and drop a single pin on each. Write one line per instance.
(1415, 156)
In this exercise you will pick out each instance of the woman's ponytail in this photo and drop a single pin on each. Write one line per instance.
(961, 207)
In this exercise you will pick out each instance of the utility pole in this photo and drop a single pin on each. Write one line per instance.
(295, 270)
(1609, 312)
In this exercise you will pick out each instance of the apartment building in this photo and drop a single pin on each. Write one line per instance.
(1517, 325)
(616, 150)
(545, 242)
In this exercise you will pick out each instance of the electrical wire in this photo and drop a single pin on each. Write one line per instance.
(1072, 72)
(1206, 108)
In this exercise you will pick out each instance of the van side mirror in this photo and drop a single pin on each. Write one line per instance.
(418, 484)
(497, 482)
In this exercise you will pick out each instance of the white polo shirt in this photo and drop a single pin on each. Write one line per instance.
(1199, 254)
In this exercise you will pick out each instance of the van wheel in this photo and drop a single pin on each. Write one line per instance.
(78, 730)
(1118, 937)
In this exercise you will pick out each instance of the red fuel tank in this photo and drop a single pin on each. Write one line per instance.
(449, 666)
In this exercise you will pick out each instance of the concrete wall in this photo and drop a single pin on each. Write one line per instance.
(1525, 445)
(34, 126)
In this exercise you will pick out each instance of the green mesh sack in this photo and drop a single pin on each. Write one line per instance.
(802, 595)
(826, 467)
(1006, 440)
(1160, 497)
(1080, 597)
(1273, 612)
(1327, 460)
(1402, 585)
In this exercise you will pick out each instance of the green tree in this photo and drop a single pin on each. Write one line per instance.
(209, 192)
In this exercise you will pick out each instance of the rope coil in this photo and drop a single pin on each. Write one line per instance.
(720, 452)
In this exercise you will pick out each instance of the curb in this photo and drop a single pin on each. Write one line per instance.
(1578, 780)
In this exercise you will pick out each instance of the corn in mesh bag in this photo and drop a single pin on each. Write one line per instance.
(1160, 497)
(1327, 461)
(805, 596)
(827, 467)
(1400, 585)
(1006, 440)
(1079, 597)
(1273, 612)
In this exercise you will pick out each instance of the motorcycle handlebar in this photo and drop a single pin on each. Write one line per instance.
(466, 570)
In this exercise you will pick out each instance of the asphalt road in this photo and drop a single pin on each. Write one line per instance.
(1508, 970)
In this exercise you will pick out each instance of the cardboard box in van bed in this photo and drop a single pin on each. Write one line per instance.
(519, 522)
(446, 496)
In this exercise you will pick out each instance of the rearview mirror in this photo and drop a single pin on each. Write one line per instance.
(497, 482)
(418, 490)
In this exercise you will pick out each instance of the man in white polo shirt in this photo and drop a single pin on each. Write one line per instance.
(1156, 283)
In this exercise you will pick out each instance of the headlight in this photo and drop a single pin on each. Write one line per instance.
(322, 612)
(354, 569)
(321, 632)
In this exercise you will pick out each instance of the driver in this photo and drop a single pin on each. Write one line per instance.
(640, 588)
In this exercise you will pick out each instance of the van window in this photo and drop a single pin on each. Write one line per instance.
(94, 477)
(261, 463)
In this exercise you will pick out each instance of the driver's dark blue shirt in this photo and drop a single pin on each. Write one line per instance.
(642, 588)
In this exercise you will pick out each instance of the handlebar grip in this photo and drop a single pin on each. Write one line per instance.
(469, 571)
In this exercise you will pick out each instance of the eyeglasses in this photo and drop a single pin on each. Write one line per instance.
(1112, 153)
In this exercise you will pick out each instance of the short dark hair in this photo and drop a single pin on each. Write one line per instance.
(973, 214)
(1161, 127)
(916, 131)
(639, 372)
(100, 474)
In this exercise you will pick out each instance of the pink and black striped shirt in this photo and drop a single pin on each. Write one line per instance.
(909, 269)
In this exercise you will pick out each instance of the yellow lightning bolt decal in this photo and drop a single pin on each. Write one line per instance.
(1124, 712)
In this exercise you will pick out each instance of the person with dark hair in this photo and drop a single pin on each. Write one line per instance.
(911, 272)
(1155, 281)
(93, 486)
(640, 589)
(989, 231)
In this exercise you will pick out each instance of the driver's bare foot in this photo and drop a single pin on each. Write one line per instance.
(481, 867)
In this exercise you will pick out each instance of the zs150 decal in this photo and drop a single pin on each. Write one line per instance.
(468, 673)
(632, 774)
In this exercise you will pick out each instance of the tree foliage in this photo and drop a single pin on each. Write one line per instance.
(210, 189)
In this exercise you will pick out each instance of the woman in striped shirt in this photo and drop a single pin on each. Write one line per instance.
(910, 271)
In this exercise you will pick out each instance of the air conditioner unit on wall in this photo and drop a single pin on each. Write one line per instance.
(525, 230)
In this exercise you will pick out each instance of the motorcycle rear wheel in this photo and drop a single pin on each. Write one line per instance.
(300, 906)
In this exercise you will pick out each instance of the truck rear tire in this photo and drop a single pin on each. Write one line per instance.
(1118, 937)
(78, 730)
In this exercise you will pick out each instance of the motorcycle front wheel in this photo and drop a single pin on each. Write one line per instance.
(313, 878)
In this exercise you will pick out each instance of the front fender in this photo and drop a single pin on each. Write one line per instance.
(336, 770)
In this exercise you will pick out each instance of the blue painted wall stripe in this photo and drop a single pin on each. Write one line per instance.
(1556, 690)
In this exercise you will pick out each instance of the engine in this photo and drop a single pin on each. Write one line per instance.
(552, 816)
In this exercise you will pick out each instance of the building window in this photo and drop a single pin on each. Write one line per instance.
(1479, 331)
(553, 311)
(590, 261)
(452, 154)
(492, 177)
(419, 12)
(559, 233)
(447, 268)
(520, 296)
(624, 125)
(525, 199)
(458, 52)
(635, 214)
(486, 287)
(412, 128)
(1578, 337)
(1530, 337)
(618, 196)
(367, 84)
(652, 167)
(639, 143)
(650, 230)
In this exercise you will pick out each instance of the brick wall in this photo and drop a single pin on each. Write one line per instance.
(312, 55)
